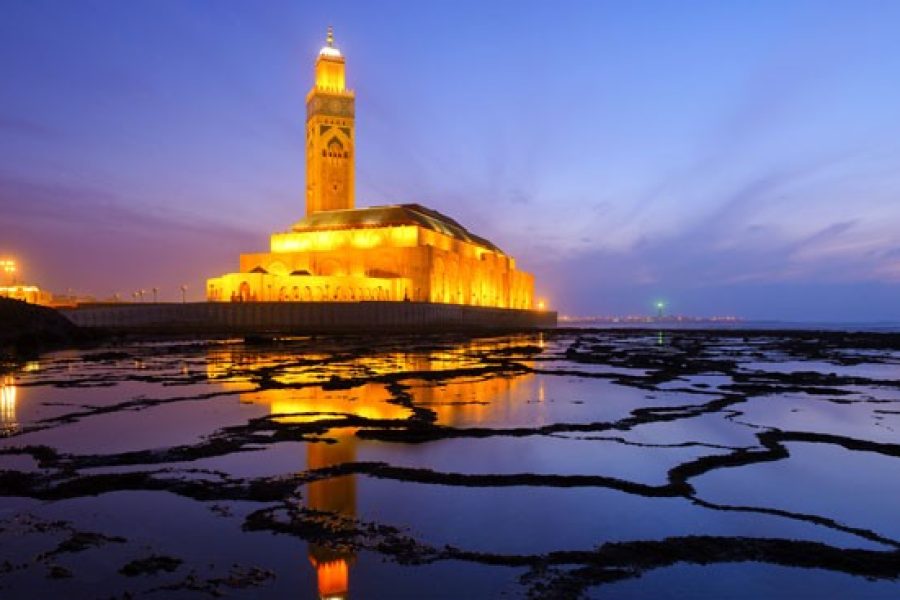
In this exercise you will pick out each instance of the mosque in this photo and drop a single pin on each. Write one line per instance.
(339, 253)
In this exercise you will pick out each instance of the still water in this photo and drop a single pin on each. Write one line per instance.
(613, 464)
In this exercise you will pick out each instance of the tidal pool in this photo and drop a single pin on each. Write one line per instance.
(563, 464)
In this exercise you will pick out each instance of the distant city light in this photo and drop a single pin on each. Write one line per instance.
(8, 265)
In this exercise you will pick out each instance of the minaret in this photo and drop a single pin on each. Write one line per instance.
(329, 134)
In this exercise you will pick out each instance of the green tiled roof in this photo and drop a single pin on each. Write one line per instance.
(390, 216)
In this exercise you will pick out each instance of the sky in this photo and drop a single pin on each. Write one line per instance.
(731, 158)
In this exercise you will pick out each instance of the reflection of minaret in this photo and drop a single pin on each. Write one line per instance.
(338, 496)
(8, 423)
(494, 399)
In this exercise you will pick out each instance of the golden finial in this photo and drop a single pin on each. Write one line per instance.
(330, 38)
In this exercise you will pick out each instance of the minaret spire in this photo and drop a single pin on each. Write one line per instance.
(329, 134)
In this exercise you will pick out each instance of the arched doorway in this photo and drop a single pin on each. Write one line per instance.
(244, 293)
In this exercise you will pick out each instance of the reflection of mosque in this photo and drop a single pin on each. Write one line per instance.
(336, 496)
(495, 397)
(8, 422)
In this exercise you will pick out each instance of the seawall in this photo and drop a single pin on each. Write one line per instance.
(302, 317)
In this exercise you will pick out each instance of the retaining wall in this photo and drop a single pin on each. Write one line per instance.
(302, 317)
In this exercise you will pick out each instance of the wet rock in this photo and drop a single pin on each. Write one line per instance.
(151, 565)
(58, 572)
(110, 356)
(80, 541)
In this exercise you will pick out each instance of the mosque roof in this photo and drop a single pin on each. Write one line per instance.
(390, 216)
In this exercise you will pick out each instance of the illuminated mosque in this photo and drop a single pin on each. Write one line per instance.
(401, 252)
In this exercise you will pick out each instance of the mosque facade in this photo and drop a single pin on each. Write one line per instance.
(340, 253)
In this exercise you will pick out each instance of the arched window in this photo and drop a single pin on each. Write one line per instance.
(335, 148)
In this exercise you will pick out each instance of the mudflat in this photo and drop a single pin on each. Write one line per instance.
(567, 463)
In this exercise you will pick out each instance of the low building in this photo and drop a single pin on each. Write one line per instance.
(12, 288)
(27, 293)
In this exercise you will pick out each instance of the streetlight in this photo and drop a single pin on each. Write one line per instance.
(141, 293)
(9, 268)
(660, 305)
(183, 289)
(155, 291)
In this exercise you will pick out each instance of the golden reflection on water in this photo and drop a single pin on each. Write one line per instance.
(8, 422)
(471, 401)
(461, 400)
(314, 404)
(338, 496)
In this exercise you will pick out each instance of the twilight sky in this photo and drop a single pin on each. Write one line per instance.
(730, 157)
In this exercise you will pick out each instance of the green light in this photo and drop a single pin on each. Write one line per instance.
(660, 307)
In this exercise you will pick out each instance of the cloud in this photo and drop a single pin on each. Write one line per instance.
(18, 126)
(734, 246)
(61, 205)
(90, 240)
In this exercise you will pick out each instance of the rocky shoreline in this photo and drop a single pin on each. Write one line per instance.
(717, 403)
(27, 329)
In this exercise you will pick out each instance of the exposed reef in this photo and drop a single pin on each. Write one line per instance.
(712, 403)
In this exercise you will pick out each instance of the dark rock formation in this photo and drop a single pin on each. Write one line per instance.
(28, 328)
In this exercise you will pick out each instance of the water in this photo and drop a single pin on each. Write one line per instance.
(665, 324)
(620, 464)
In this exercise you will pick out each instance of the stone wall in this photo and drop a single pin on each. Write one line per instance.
(302, 317)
